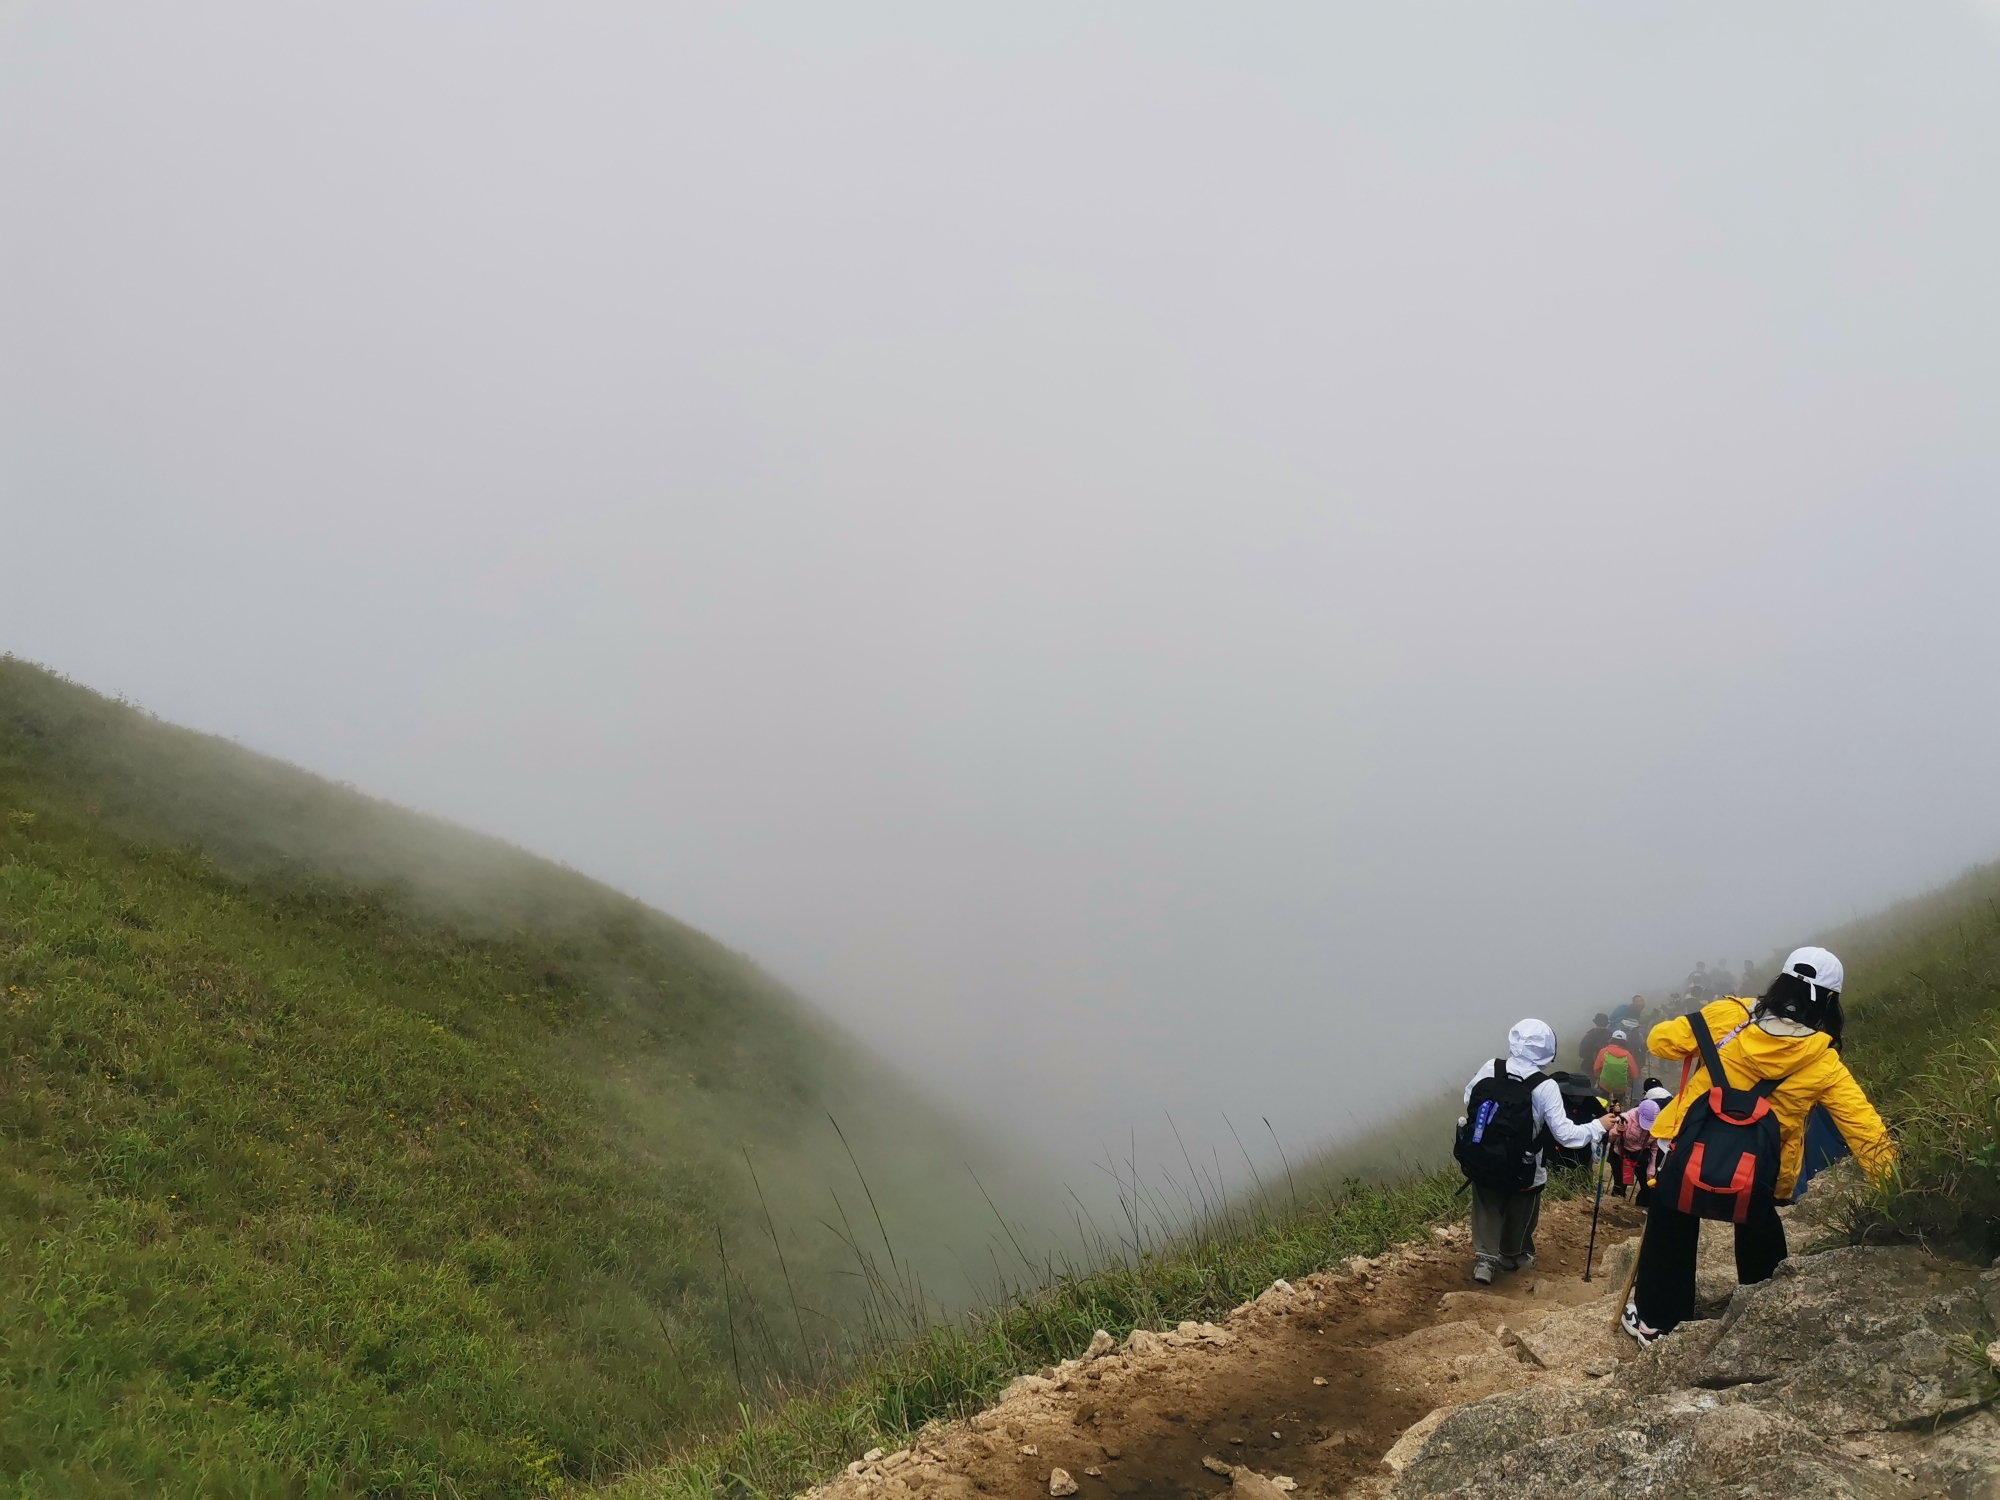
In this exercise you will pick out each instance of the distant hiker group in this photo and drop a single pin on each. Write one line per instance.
(1704, 983)
(1764, 1100)
(1614, 1053)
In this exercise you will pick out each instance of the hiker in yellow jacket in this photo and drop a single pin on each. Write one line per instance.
(1792, 1033)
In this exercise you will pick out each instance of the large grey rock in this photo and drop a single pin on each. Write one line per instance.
(1828, 1212)
(1963, 1460)
(1773, 1399)
(1715, 1264)
(1857, 1339)
(1558, 1444)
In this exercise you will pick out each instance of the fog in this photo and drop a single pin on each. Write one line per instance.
(1194, 559)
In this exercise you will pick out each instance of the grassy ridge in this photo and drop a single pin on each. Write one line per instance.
(1923, 1036)
(342, 1152)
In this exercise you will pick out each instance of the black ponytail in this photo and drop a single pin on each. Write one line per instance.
(1799, 1000)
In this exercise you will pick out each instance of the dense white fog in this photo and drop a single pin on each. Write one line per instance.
(1149, 558)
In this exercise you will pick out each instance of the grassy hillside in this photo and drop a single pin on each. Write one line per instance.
(1923, 1035)
(345, 1152)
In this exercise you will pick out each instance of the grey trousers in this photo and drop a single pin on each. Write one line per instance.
(1503, 1225)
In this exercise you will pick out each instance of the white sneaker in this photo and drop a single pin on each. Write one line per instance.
(1640, 1331)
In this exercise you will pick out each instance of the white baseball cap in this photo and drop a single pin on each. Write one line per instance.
(1815, 966)
(1617, 1036)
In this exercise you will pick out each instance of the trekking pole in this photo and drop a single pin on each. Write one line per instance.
(1599, 1204)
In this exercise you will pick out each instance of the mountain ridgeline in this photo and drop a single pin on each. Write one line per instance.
(346, 1151)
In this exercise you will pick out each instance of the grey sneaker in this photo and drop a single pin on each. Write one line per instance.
(1482, 1272)
(1523, 1263)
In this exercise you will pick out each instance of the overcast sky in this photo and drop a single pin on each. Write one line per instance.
(1149, 558)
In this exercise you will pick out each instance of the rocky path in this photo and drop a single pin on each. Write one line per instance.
(1854, 1373)
(1310, 1386)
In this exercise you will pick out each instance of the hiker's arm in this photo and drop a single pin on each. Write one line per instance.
(1859, 1125)
(1673, 1039)
(1549, 1110)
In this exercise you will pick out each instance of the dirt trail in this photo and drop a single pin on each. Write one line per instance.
(1310, 1386)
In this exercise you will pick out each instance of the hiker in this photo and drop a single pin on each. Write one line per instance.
(1511, 1104)
(1699, 979)
(1635, 1142)
(1620, 1148)
(1615, 1069)
(1630, 1018)
(1721, 979)
(1732, 1146)
(1581, 1104)
(1594, 1041)
(1748, 984)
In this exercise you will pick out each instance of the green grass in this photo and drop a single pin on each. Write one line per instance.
(1923, 1037)
(342, 1152)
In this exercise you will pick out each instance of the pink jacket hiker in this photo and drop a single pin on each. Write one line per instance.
(1635, 1129)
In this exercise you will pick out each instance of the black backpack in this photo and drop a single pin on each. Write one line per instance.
(1498, 1142)
(1725, 1157)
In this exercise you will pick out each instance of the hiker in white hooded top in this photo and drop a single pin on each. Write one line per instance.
(1510, 1105)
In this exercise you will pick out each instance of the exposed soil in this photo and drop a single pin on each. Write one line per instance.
(1313, 1384)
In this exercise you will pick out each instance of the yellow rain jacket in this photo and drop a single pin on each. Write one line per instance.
(1812, 1071)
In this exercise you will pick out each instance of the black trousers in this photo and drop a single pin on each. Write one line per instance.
(1665, 1288)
